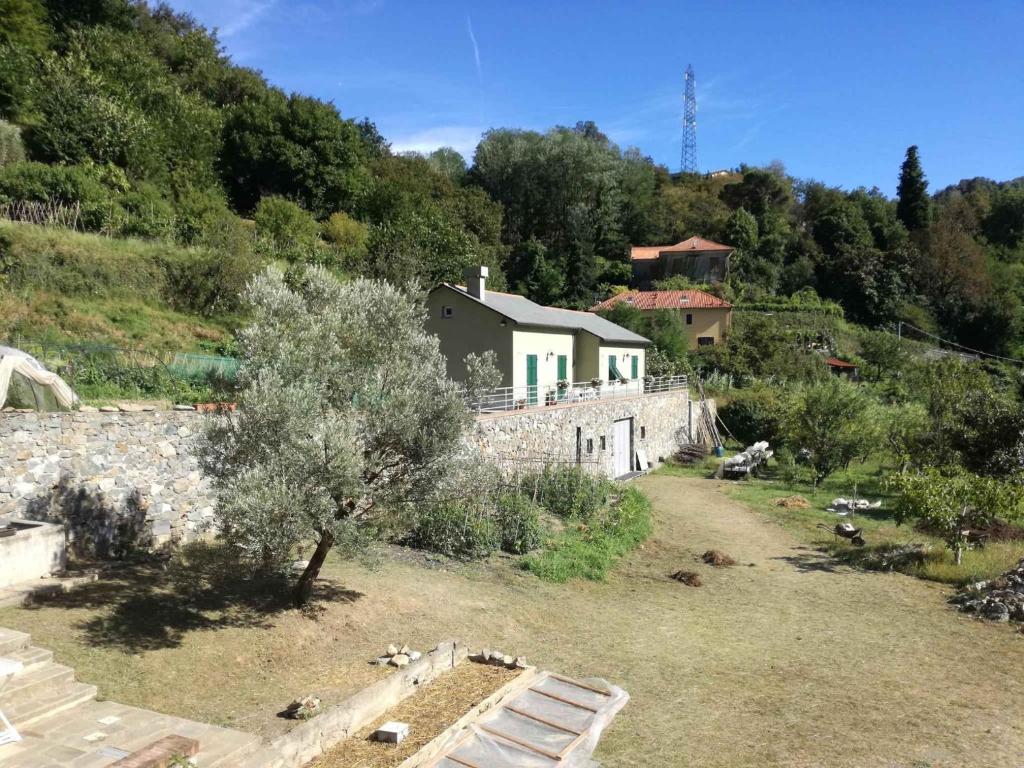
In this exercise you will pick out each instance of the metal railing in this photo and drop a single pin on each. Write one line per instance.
(566, 393)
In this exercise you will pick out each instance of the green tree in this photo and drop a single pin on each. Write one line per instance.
(344, 418)
(11, 149)
(834, 421)
(23, 23)
(954, 505)
(449, 163)
(913, 205)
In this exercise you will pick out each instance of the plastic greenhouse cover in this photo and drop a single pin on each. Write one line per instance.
(533, 729)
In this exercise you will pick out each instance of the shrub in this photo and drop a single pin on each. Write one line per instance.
(754, 414)
(290, 230)
(60, 185)
(455, 528)
(590, 550)
(518, 523)
(348, 238)
(11, 149)
(567, 491)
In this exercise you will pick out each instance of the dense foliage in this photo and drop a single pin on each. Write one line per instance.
(136, 117)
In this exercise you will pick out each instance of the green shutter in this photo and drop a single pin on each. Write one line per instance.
(531, 379)
(636, 367)
(563, 367)
(613, 370)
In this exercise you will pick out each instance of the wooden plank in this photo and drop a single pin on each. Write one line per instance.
(460, 761)
(578, 684)
(556, 697)
(520, 742)
(159, 753)
(549, 723)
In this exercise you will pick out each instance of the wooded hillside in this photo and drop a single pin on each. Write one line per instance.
(133, 121)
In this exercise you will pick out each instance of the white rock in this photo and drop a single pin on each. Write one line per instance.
(414, 655)
(392, 650)
(400, 660)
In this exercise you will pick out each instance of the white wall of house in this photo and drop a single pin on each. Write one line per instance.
(623, 359)
(547, 346)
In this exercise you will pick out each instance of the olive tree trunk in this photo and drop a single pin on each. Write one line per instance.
(304, 586)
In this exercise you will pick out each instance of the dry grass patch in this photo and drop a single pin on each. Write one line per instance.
(428, 713)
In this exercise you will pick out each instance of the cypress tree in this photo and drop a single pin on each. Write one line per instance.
(912, 207)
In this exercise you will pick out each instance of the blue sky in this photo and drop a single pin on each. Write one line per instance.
(835, 90)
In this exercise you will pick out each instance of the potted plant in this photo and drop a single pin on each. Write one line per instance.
(562, 385)
(623, 380)
(596, 383)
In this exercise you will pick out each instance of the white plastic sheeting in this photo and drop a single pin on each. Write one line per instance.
(43, 385)
(554, 722)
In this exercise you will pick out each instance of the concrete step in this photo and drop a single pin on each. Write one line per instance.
(24, 712)
(226, 750)
(32, 683)
(11, 640)
(32, 658)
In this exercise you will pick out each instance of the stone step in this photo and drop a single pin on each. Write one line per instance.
(27, 711)
(32, 658)
(227, 750)
(11, 640)
(32, 683)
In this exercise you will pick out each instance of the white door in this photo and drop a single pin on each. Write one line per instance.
(622, 447)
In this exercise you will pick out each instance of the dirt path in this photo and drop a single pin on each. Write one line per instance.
(795, 662)
(789, 662)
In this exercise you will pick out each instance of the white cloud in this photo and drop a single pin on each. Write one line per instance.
(242, 16)
(476, 49)
(462, 138)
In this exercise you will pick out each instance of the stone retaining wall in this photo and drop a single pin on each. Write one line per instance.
(117, 480)
(120, 481)
(660, 423)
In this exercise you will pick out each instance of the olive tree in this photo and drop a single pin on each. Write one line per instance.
(344, 415)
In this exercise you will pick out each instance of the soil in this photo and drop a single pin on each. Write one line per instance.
(428, 712)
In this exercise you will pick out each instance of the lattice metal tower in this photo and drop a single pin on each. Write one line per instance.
(688, 161)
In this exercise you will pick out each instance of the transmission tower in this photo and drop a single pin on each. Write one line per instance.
(688, 162)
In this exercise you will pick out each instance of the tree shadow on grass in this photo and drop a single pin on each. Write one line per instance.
(147, 607)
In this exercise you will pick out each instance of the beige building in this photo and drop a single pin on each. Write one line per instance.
(537, 347)
(700, 260)
(707, 318)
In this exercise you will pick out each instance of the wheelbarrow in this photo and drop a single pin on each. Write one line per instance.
(845, 531)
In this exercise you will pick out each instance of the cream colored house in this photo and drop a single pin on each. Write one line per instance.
(701, 260)
(707, 318)
(537, 347)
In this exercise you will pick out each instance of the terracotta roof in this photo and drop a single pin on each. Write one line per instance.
(694, 244)
(644, 300)
(835, 362)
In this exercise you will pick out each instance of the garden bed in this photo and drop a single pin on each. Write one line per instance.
(428, 712)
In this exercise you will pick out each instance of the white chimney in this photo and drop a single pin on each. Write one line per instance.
(476, 277)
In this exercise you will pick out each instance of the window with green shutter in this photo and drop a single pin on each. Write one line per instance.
(635, 366)
(613, 370)
(563, 367)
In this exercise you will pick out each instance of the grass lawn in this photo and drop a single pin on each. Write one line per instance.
(787, 659)
(880, 529)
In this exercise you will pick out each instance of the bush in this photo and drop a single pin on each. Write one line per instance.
(290, 230)
(567, 491)
(11, 149)
(518, 523)
(590, 550)
(455, 528)
(754, 414)
(61, 185)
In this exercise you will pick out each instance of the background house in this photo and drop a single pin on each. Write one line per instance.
(536, 346)
(703, 261)
(707, 318)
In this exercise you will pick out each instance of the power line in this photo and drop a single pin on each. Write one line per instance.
(899, 333)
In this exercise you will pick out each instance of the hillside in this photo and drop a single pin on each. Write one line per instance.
(58, 286)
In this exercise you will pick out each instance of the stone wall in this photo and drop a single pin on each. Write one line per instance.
(660, 423)
(117, 480)
(121, 481)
